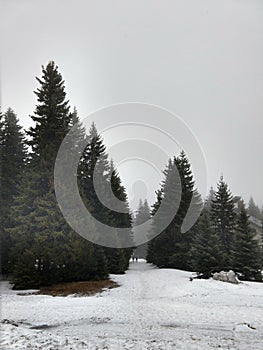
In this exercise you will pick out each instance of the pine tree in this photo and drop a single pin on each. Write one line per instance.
(246, 254)
(223, 217)
(13, 157)
(206, 249)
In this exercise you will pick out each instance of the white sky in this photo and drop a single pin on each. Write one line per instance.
(201, 59)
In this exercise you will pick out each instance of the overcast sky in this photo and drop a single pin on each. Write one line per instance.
(200, 59)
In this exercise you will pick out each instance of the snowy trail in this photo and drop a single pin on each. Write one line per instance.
(153, 309)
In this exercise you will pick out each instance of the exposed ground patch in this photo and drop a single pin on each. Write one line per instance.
(84, 288)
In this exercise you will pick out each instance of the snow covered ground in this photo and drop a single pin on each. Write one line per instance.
(153, 309)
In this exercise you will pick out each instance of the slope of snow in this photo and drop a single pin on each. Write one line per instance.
(153, 309)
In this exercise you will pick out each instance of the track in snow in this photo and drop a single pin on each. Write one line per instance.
(153, 309)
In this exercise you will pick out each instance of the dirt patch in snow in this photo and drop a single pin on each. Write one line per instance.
(84, 288)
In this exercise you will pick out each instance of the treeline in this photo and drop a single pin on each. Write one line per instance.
(221, 239)
(38, 247)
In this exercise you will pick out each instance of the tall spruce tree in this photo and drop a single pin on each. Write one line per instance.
(246, 252)
(88, 260)
(36, 229)
(223, 217)
(95, 158)
(171, 247)
(120, 219)
(206, 249)
(13, 158)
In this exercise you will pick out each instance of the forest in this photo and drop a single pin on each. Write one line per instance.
(38, 246)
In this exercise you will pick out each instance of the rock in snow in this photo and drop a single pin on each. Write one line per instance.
(229, 276)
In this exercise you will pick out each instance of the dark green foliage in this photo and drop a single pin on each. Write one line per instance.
(13, 158)
(246, 253)
(45, 247)
(39, 248)
(206, 249)
(95, 161)
(39, 227)
(171, 247)
(223, 217)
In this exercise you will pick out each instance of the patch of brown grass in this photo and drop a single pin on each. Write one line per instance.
(84, 288)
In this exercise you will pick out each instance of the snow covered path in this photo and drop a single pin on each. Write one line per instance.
(153, 309)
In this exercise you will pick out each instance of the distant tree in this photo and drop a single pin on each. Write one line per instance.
(142, 215)
(246, 254)
(206, 249)
(150, 258)
(209, 199)
(12, 164)
(223, 217)
(253, 209)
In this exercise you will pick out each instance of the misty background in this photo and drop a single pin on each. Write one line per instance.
(200, 59)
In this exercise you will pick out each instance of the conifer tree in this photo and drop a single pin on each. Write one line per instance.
(246, 253)
(120, 218)
(13, 157)
(209, 199)
(32, 228)
(253, 209)
(142, 215)
(88, 260)
(95, 158)
(150, 258)
(171, 247)
(161, 248)
(223, 217)
(206, 249)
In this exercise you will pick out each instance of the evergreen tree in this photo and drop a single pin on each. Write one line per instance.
(223, 217)
(171, 247)
(13, 157)
(253, 209)
(150, 257)
(95, 158)
(206, 249)
(161, 248)
(119, 218)
(36, 211)
(142, 215)
(87, 260)
(246, 254)
(209, 199)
